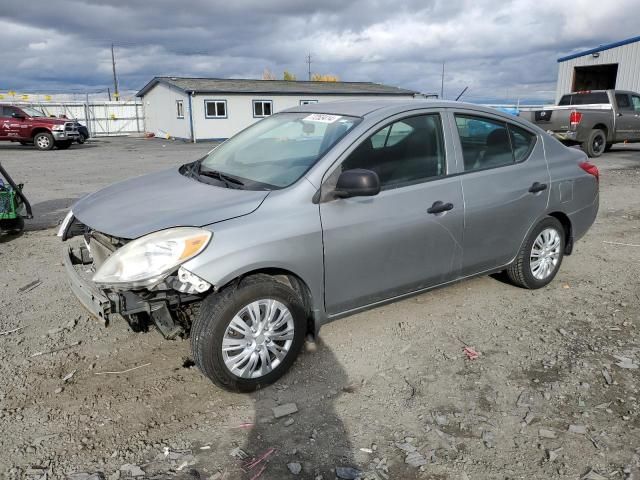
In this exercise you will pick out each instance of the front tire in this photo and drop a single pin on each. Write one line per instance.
(43, 141)
(81, 139)
(540, 257)
(248, 335)
(595, 144)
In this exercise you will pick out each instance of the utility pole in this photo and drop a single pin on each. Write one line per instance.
(116, 93)
(308, 59)
(442, 84)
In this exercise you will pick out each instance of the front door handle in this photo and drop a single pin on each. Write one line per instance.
(537, 187)
(440, 207)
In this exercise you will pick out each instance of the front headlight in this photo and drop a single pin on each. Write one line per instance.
(58, 128)
(149, 259)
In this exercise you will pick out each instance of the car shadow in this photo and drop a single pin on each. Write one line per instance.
(31, 148)
(314, 439)
(48, 214)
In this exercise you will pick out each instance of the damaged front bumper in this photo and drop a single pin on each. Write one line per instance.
(161, 306)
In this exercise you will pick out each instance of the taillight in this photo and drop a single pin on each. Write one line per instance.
(575, 118)
(591, 169)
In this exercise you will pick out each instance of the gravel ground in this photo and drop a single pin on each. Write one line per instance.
(388, 393)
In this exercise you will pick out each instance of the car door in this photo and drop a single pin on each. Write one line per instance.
(380, 247)
(13, 126)
(5, 119)
(626, 118)
(635, 128)
(505, 184)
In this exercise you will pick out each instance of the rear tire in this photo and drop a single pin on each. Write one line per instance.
(540, 257)
(13, 226)
(595, 144)
(43, 141)
(64, 145)
(279, 345)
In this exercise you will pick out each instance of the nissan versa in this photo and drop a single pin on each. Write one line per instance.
(322, 211)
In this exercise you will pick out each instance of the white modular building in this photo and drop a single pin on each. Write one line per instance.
(206, 109)
(611, 66)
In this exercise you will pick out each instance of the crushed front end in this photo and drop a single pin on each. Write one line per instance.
(169, 299)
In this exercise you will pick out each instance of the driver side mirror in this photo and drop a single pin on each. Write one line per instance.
(357, 183)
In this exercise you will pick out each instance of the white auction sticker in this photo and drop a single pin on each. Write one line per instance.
(321, 118)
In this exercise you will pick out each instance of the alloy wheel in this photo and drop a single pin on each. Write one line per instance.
(43, 142)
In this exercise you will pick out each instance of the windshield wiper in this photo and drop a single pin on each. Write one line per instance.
(224, 178)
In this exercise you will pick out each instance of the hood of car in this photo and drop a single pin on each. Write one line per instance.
(50, 120)
(142, 205)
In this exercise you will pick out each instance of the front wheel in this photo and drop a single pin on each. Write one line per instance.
(81, 139)
(43, 141)
(248, 335)
(540, 256)
(595, 144)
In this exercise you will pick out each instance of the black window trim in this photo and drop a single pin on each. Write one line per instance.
(496, 119)
(215, 100)
(263, 101)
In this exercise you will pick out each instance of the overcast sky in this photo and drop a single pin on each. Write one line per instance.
(500, 49)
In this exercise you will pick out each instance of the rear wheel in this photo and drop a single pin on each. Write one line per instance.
(539, 259)
(247, 336)
(595, 144)
(12, 226)
(64, 145)
(43, 141)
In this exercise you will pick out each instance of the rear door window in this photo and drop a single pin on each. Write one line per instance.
(622, 100)
(635, 100)
(489, 143)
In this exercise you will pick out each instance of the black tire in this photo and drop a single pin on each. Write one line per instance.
(13, 226)
(520, 271)
(64, 145)
(595, 144)
(608, 146)
(212, 322)
(81, 139)
(43, 141)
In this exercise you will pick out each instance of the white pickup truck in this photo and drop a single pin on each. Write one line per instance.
(594, 119)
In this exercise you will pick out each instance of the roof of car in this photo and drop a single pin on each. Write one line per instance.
(361, 108)
(297, 87)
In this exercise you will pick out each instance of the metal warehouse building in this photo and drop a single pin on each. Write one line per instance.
(200, 109)
(615, 65)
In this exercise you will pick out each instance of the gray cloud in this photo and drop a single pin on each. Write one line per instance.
(501, 50)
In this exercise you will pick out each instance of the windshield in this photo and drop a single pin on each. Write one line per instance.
(32, 112)
(278, 150)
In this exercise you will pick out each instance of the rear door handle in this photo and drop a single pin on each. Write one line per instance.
(440, 207)
(537, 187)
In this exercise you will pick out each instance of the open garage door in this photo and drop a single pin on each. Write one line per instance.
(596, 77)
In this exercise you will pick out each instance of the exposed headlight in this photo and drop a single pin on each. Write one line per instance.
(58, 128)
(149, 259)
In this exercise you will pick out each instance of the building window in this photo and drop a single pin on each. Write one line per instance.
(179, 109)
(215, 109)
(308, 102)
(262, 108)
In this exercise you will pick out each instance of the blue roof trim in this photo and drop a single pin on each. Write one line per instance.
(606, 46)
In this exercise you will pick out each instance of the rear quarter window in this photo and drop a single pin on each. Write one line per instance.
(522, 142)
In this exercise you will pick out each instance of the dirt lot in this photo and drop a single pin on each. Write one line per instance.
(388, 392)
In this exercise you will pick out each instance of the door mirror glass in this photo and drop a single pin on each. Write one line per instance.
(357, 183)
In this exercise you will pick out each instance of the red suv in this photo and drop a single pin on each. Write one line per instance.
(30, 126)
